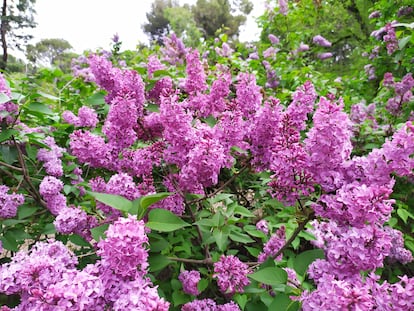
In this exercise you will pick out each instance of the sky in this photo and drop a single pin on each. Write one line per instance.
(90, 24)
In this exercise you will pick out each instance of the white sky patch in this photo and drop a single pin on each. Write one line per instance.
(90, 24)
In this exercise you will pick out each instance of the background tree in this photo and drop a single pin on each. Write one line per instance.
(16, 15)
(212, 15)
(48, 52)
(158, 24)
(182, 23)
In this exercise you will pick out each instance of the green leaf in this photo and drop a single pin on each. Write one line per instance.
(403, 42)
(202, 285)
(241, 300)
(270, 276)
(6, 134)
(221, 239)
(49, 229)
(240, 237)
(116, 201)
(142, 203)
(25, 211)
(164, 221)
(9, 242)
(48, 96)
(4, 98)
(8, 153)
(98, 233)
(303, 260)
(96, 99)
(282, 302)
(404, 214)
(78, 240)
(40, 108)
(158, 262)
(240, 210)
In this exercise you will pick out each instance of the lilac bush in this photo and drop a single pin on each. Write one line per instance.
(200, 182)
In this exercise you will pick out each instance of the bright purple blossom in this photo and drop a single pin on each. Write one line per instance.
(196, 77)
(248, 94)
(283, 7)
(374, 14)
(329, 144)
(231, 274)
(390, 38)
(323, 56)
(263, 226)
(189, 280)
(9, 202)
(173, 50)
(87, 117)
(272, 247)
(71, 220)
(273, 39)
(321, 41)
(124, 249)
(51, 157)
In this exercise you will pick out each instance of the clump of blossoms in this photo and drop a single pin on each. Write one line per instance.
(50, 189)
(51, 157)
(231, 275)
(209, 305)
(272, 247)
(46, 277)
(87, 117)
(189, 280)
(9, 202)
(321, 41)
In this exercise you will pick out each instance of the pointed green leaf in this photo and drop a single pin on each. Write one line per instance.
(116, 201)
(270, 276)
(98, 233)
(147, 201)
(6, 134)
(303, 260)
(164, 221)
(158, 262)
(282, 302)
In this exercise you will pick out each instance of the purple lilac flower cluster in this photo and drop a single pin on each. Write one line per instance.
(209, 305)
(87, 117)
(8, 110)
(271, 247)
(287, 154)
(189, 280)
(9, 202)
(174, 50)
(321, 41)
(50, 189)
(402, 90)
(328, 144)
(51, 157)
(231, 275)
(46, 277)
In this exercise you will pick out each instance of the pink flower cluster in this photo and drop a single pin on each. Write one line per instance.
(87, 117)
(189, 280)
(51, 157)
(46, 277)
(9, 202)
(209, 305)
(231, 275)
(402, 90)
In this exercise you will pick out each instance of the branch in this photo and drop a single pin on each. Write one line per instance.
(15, 168)
(32, 189)
(301, 226)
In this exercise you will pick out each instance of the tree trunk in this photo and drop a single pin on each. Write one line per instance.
(3, 32)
